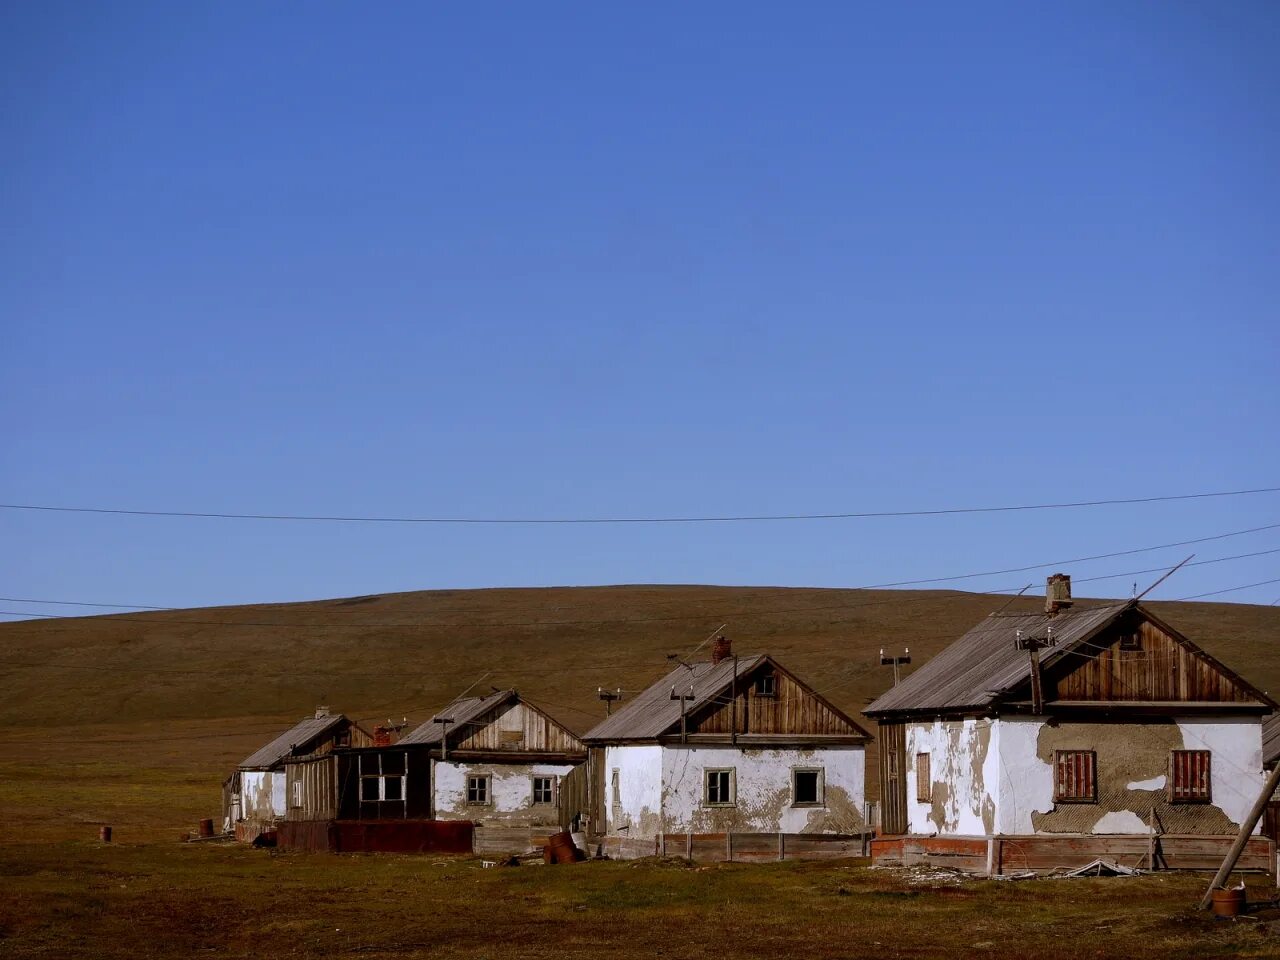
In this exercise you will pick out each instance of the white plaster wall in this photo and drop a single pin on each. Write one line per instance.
(262, 794)
(510, 789)
(640, 790)
(1024, 782)
(1236, 767)
(763, 795)
(966, 770)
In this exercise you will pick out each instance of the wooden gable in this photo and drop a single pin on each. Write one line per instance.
(518, 726)
(1139, 659)
(771, 701)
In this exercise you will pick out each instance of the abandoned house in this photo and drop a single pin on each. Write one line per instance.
(254, 795)
(1048, 739)
(731, 758)
(489, 774)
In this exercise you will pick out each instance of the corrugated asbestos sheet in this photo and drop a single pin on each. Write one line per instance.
(653, 712)
(984, 663)
(296, 736)
(459, 713)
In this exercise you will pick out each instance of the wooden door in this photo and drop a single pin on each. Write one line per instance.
(893, 779)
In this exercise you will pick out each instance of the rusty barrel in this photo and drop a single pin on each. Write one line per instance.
(563, 849)
(104, 834)
(1228, 903)
(206, 828)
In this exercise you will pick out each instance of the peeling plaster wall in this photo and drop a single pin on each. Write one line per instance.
(964, 767)
(639, 810)
(261, 794)
(763, 790)
(510, 791)
(1132, 769)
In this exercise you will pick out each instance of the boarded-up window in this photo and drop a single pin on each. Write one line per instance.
(1189, 777)
(478, 790)
(718, 785)
(924, 779)
(1076, 776)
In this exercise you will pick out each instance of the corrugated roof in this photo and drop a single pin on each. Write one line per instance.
(300, 735)
(1271, 739)
(653, 712)
(459, 713)
(984, 663)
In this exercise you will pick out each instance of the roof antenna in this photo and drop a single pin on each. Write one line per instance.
(1165, 577)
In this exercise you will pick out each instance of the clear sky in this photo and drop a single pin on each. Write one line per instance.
(577, 260)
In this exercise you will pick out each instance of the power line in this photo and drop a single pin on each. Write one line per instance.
(210, 515)
(1214, 593)
(745, 613)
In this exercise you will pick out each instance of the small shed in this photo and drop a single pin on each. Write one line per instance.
(255, 795)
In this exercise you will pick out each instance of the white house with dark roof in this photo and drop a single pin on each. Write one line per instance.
(728, 758)
(1050, 738)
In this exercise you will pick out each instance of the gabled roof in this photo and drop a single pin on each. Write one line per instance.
(974, 671)
(653, 712)
(460, 713)
(1271, 740)
(982, 667)
(302, 734)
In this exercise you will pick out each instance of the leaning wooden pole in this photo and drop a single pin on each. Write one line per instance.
(1246, 829)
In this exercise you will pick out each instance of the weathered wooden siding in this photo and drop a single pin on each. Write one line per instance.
(311, 789)
(518, 726)
(893, 778)
(792, 709)
(1136, 660)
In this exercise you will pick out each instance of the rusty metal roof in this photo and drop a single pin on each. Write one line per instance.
(653, 712)
(985, 663)
(294, 740)
(459, 713)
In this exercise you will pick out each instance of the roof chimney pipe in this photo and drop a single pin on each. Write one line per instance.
(1057, 594)
(721, 649)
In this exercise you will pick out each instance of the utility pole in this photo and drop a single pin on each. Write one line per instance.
(1033, 645)
(608, 696)
(896, 662)
(684, 698)
(444, 736)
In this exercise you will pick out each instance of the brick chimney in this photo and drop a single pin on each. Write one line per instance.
(721, 649)
(1057, 594)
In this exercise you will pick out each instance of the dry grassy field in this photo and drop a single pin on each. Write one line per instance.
(134, 720)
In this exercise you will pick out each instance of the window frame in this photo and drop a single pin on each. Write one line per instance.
(1058, 795)
(1191, 794)
(295, 793)
(485, 780)
(820, 788)
(769, 680)
(371, 771)
(533, 790)
(924, 784)
(731, 786)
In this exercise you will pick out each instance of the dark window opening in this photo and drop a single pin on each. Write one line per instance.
(542, 787)
(478, 790)
(719, 788)
(806, 787)
(766, 685)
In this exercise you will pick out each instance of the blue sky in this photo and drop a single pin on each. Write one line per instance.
(562, 260)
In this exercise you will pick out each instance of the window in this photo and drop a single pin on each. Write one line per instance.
(924, 779)
(297, 793)
(1075, 776)
(1189, 776)
(718, 788)
(382, 777)
(542, 787)
(766, 685)
(617, 789)
(478, 790)
(806, 786)
(1130, 641)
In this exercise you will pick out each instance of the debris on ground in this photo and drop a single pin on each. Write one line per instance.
(1102, 868)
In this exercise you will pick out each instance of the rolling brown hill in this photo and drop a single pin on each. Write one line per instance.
(409, 653)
